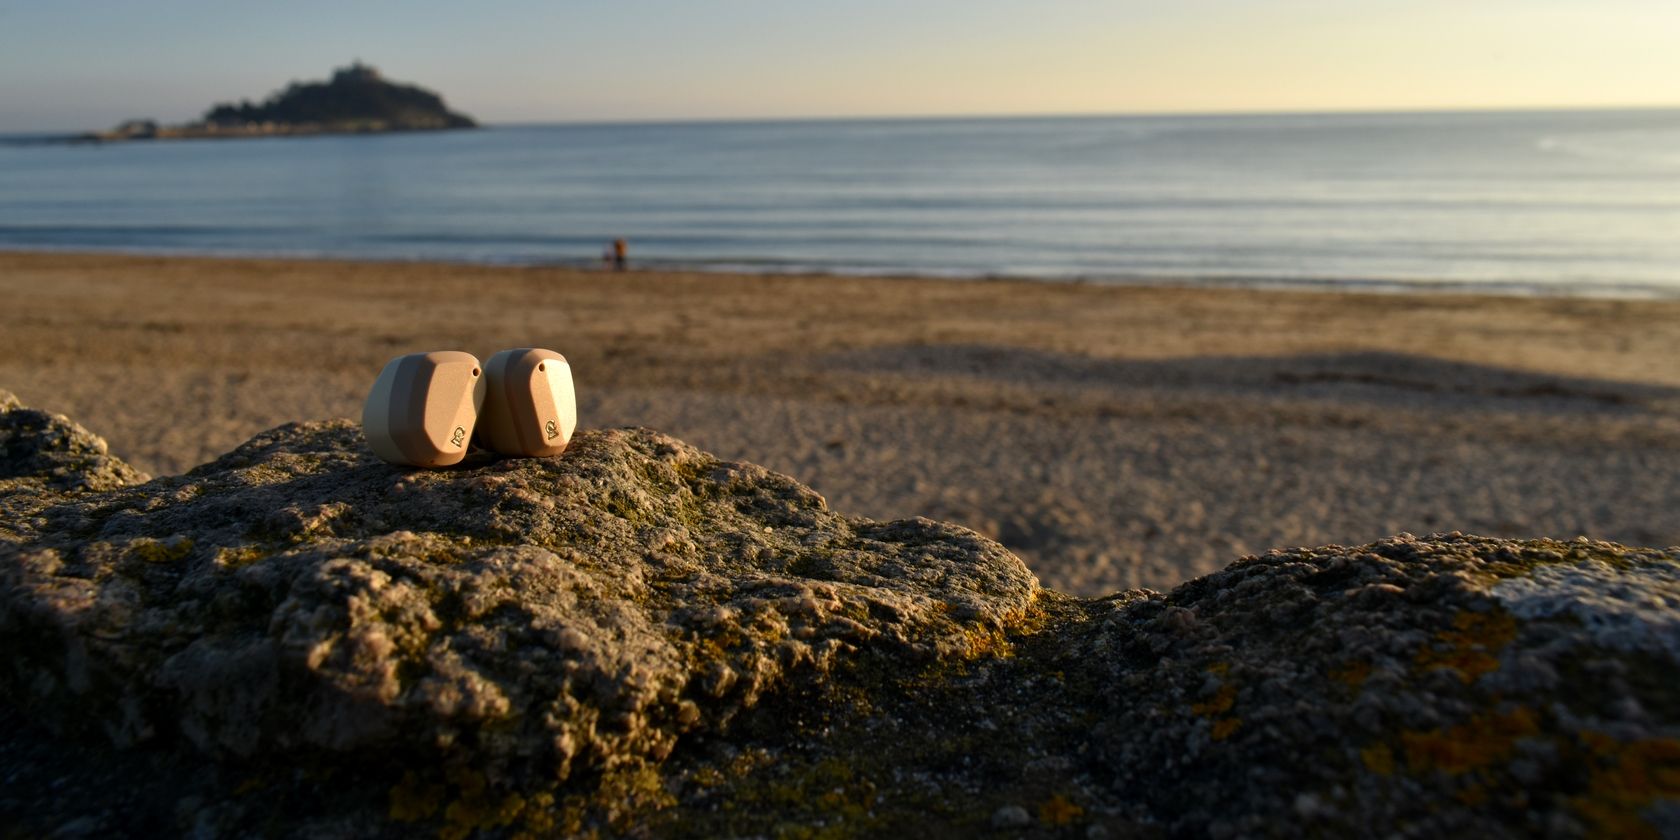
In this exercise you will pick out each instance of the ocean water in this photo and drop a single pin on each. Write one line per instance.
(1583, 202)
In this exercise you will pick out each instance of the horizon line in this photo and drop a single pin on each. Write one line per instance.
(1025, 115)
(1028, 115)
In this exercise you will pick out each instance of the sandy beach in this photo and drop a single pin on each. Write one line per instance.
(1111, 436)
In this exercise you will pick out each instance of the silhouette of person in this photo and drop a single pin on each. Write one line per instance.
(621, 255)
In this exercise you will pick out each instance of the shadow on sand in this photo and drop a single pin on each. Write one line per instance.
(1363, 377)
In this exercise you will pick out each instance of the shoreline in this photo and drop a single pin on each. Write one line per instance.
(1493, 289)
(1112, 436)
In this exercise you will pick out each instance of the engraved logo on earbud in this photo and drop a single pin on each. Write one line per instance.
(552, 430)
(459, 436)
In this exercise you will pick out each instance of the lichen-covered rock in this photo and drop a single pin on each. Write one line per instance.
(636, 638)
(1450, 685)
(521, 617)
(1438, 686)
(48, 453)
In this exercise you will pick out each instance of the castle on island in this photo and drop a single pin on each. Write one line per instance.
(355, 100)
(356, 73)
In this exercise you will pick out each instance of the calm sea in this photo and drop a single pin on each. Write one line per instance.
(1566, 202)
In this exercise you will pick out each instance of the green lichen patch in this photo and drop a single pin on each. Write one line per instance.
(637, 638)
(531, 626)
(1381, 684)
(935, 750)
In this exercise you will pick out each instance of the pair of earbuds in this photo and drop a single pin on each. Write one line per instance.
(426, 408)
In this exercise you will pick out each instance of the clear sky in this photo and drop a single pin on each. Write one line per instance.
(82, 64)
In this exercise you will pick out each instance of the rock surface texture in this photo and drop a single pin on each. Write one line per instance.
(635, 638)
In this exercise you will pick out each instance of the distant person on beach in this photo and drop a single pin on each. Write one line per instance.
(620, 255)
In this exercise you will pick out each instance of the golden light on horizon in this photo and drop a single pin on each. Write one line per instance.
(523, 61)
(1194, 57)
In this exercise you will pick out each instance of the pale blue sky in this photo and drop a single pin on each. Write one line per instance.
(81, 64)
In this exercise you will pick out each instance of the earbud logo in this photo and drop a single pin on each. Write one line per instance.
(552, 430)
(459, 436)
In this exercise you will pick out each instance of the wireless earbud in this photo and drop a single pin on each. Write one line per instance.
(530, 408)
(423, 408)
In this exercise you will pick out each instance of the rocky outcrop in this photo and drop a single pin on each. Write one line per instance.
(46, 453)
(635, 637)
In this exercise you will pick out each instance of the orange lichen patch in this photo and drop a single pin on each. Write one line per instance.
(414, 799)
(538, 820)
(1220, 704)
(471, 807)
(1473, 796)
(1353, 675)
(1059, 810)
(466, 816)
(1486, 740)
(1379, 759)
(1219, 669)
(1469, 648)
(1623, 778)
(1624, 781)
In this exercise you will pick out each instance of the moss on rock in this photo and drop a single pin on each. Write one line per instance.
(637, 638)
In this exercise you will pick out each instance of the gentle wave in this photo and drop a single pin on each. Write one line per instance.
(1642, 149)
(1578, 203)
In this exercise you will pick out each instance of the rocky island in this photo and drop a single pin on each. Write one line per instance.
(298, 640)
(356, 100)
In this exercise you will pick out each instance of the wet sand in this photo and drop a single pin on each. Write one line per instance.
(1112, 436)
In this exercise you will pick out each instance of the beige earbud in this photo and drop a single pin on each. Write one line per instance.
(530, 408)
(423, 408)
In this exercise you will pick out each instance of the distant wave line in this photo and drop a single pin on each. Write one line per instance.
(1153, 276)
